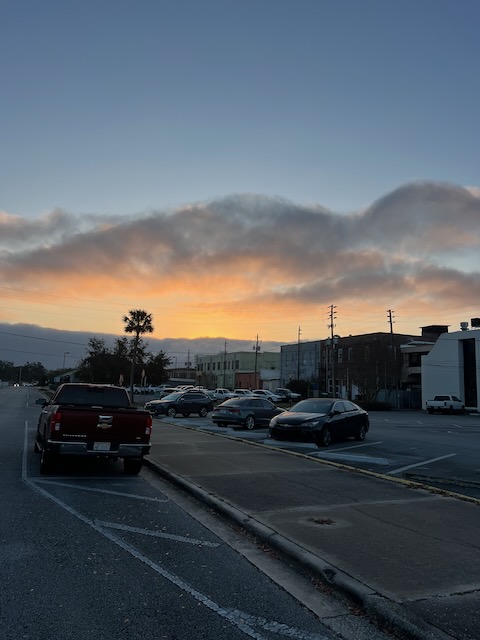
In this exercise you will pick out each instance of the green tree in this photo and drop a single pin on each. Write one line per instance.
(8, 371)
(34, 372)
(137, 322)
(94, 367)
(156, 368)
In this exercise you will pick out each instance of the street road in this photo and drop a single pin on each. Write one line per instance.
(439, 450)
(91, 553)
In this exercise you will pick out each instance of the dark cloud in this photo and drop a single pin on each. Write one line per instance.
(420, 241)
(21, 343)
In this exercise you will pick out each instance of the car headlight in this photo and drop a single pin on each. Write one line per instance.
(310, 424)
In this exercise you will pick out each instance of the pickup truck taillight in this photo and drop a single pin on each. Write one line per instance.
(55, 421)
(148, 427)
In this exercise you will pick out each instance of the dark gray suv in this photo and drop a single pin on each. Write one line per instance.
(184, 402)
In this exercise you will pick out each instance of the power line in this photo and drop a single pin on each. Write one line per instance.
(20, 335)
(35, 353)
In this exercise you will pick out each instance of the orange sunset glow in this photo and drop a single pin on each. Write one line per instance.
(239, 266)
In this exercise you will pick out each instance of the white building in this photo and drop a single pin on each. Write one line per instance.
(453, 367)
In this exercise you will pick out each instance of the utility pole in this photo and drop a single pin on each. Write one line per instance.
(298, 353)
(224, 363)
(256, 348)
(332, 343)
(394, 356)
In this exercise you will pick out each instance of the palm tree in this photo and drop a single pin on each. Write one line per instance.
(137, 322)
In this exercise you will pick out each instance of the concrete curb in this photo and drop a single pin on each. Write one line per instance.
(376, 606)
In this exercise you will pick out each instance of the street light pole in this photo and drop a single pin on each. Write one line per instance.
(256, 348)
(65, 353)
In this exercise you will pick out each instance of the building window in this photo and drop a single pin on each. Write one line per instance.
(350, 354)
(340, 355)
(414, 359)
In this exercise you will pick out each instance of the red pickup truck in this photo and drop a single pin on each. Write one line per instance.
(94, 420)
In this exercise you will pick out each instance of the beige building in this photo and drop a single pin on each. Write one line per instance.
(238, 369)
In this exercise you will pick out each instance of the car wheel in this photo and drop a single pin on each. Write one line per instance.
(360, 433)
(132, 466)
(324, 438)
(186, 414)
(203, 412)
(250, 422)
(171, 412)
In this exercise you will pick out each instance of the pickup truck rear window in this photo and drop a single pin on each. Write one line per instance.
(93, 396)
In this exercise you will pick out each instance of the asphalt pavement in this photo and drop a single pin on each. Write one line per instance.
(408, 556)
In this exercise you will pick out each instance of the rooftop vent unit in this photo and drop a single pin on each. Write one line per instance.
(475, 322)
(464, 326)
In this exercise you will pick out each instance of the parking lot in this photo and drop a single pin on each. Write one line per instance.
(439, 450)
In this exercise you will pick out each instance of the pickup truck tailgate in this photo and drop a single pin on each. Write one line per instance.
(100, 425)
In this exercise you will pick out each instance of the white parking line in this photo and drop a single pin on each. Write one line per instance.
(350, 458)
(241, 620)
(96, 490)
(357, 446)
(420, 464)
(156, 534)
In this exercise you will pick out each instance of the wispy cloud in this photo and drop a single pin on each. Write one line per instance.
(246, 259)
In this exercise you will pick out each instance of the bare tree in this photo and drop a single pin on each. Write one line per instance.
(137, 322)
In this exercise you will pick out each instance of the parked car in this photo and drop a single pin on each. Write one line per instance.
(320, 420)
(166, 391)
(184, 402)
(138, 390)
(248, 412)
(222, 394)
(242, 393)
(286, 395)
(266, 393)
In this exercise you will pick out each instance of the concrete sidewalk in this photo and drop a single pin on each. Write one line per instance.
(409, 557)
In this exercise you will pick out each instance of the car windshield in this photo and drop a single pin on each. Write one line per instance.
(313, 406)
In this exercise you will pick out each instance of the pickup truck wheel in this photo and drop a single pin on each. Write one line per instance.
(203, 412)
(171, 412)
(250, 422)
(46, 462)
(132, 466)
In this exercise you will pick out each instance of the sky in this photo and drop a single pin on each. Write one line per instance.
(238, 167)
